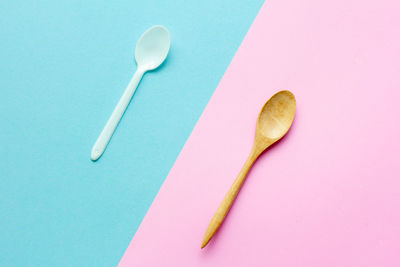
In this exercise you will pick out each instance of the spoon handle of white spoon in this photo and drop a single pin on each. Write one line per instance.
(116, 116)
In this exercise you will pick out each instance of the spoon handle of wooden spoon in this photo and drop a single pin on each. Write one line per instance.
(226, 204)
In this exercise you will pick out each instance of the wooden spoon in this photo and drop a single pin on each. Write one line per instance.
(273, 122)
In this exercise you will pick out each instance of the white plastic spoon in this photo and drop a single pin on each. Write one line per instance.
(151, 50)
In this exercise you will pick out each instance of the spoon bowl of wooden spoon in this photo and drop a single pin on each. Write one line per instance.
(276, 116)
(274, 121)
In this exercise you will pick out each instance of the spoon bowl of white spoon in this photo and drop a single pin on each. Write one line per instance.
(151, 51)
(152, 48)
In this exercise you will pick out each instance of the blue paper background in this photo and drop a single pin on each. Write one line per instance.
(63, 67)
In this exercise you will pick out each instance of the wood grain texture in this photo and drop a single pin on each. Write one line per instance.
(273, 122)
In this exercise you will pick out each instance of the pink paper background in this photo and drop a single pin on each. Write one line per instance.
(329, 193)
